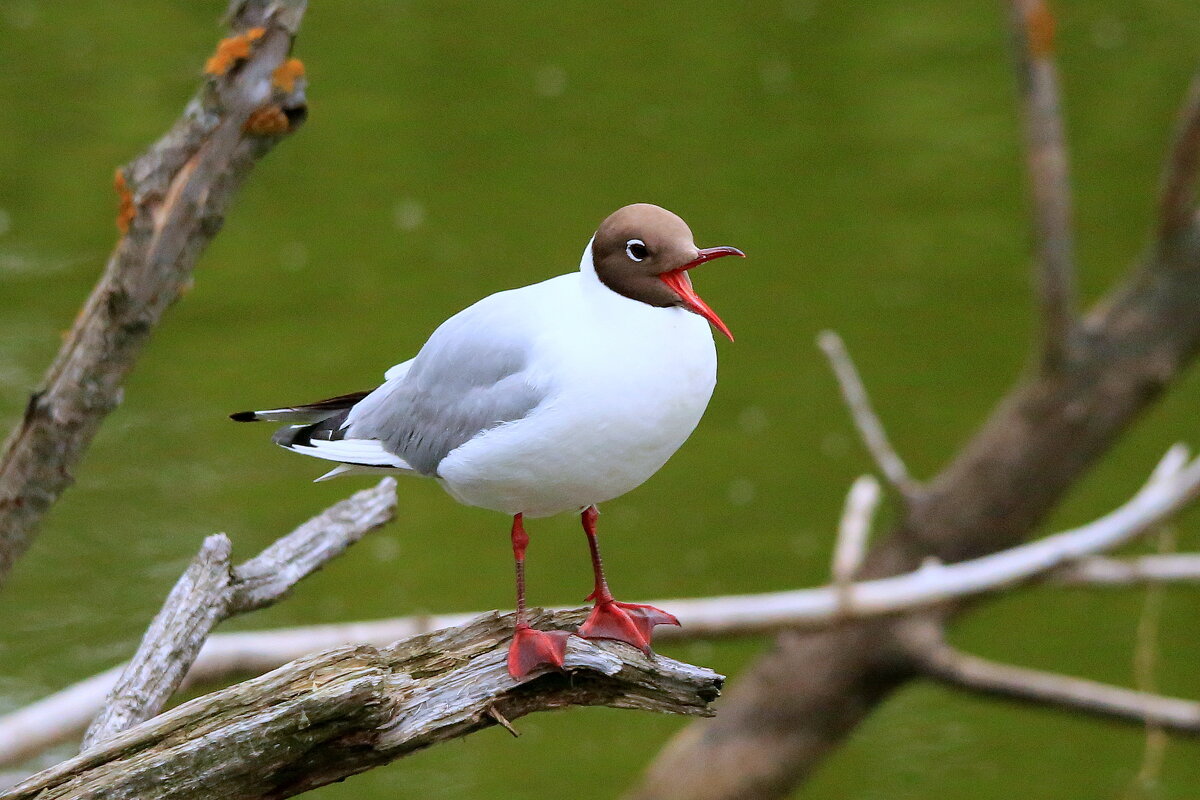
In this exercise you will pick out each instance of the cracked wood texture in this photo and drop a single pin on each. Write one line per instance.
(800, 701)
(331, 715)
(174, 199)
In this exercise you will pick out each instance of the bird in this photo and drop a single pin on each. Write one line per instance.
(549, 398)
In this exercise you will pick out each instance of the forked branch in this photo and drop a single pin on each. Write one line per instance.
(338, 713)
(212, 590)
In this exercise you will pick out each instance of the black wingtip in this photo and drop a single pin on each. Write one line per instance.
(243, 416)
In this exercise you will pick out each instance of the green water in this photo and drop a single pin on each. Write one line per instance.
(865, 155)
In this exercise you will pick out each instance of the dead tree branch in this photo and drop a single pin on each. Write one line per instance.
(1046, 156)
(61, 716)
(332, 715)
(1177, 199)
(212, 590)
(174, 199)
(940, 661)
(192, 609)
(801, 699)
(890, 465)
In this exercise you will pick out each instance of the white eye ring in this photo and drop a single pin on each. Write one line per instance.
(629, 249)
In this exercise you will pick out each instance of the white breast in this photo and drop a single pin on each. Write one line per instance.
(628, 384)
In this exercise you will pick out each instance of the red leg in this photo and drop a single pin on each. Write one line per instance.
(627, 622)
(530, 649)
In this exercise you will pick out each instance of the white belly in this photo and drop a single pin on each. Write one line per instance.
(623, 402)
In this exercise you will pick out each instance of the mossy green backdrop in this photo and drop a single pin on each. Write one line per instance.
(865, 155)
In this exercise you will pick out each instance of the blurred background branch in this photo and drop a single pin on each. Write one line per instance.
(799, 702)
(940, 661)
(1033, 35)
(870, 428)
(173, 201)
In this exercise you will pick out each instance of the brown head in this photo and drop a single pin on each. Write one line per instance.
(644, 252)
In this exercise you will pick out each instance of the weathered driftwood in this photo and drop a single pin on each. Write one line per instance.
(338, 713)
(212, 590)
(1069, 556)
(174, 199)
(1089, 381)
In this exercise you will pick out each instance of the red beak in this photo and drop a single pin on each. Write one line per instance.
(679, 282)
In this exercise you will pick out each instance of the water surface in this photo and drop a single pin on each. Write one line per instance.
(864, 155)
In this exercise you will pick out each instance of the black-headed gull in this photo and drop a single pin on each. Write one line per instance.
(549, 398)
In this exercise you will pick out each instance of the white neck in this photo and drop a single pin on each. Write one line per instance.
(587, 265)
(591, 283)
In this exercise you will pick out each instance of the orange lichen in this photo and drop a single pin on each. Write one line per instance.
(232, 50)
(1040, 24)
(267, 121)
(286, 74)
(126, 210)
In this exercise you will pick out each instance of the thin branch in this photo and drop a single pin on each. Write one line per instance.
(173, 202)
(60, 716)
(211, 591)
(942, 662)
(854, 529)
(1177, 198)
(1145, 664)
(1101, 571)
(332, 715)
(890, 465)
(1046, 156)
(269, 576)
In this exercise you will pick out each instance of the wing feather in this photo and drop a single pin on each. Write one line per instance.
(472, 375)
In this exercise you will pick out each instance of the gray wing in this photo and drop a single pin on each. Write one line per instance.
(471, 376)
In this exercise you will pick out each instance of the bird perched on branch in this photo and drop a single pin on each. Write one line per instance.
(549, 398)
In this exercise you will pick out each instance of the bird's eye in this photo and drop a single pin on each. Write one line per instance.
(636, 249)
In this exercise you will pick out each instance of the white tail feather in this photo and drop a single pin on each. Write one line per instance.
(364, 452)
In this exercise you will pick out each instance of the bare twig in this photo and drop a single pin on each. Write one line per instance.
(940, 661)
(854, 529)
(890, 465)
(1145, 662)
(1177, 199)
(211, 591)
(1046, 155)
(502, 721)
(270, 575)
(62, 715)
(174, 199)
(1102, 571)
(332, 715)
